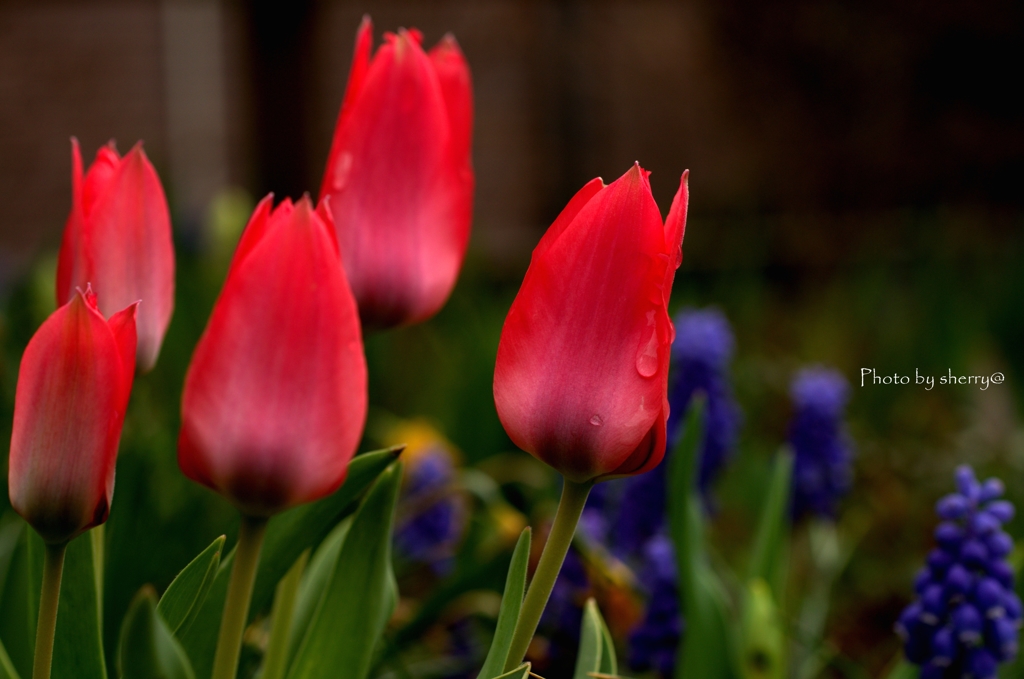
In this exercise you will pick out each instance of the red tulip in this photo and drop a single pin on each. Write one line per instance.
(399, 175)
(275, 398)
(581, 377)
(73, 387)
(118, 239)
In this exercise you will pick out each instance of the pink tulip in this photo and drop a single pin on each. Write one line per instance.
(399, 175)
(118, 239)
(73, 387)
(581, 377)
(275, 398)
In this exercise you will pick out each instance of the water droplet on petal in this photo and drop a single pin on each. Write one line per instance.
(596, 420)
(647, 353)
(647, 364)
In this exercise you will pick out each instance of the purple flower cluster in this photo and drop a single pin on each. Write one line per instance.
(966, 618)
(431, 517)
(700, 356)
(822, 466)
(653, 643)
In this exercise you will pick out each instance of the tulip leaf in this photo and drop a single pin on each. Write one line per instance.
(904, 670)
(288, 535)
(7, 670)
(78, 640)
(148, 648)
(10, 534)
(183, 598)
(521, 672)
(314, 584)
(768, 561)
(11, 530)
(762, 640)
(360, 595)
(609, 663)
(707, 649)
(508, 614)
(19, 598)
(275, 660)
(596, 651)
(291, 533)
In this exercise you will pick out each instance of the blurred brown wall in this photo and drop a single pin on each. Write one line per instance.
(819, 112)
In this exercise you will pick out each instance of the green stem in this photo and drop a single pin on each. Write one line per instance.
(236, 606)
(574, 497)
(285, 596)
(53, 569)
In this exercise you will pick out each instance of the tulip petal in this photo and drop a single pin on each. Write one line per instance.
(457, 91)
(97, 180)
(275, 397)
(568, 213)
(132, 252)
(256, 228)
(122, 324)
(401, 199)
(675, 227)
(580, 379)
(67, 422)
(649, 453)
(72, 266)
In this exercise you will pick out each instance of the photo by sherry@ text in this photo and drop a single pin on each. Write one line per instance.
(870, 377)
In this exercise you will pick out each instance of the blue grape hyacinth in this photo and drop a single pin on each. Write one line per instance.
(653, 643)
(701, 353)
(432, 511)
(966, 618)
(822, 467)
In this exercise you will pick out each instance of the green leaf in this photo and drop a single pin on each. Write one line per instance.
(275, 660)
(184, 597)
(10, 532)
(707, 647)
(7, 670)
(288, 535)
(521, 672)
(78, 640)
(358, 603)
(768, 562)
(762, 646)
(293, 532)
(596, 652)
(904, 670)
(19, 599)
(609, 663)
(314, 584)
(148, 648)
(508, 614)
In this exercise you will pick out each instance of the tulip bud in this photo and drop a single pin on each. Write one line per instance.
(118, 239)
(582, 370)
(399, 175)
(275, 398)
(73, 388)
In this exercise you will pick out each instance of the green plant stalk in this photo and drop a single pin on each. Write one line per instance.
(276, 661)
(574, 497)
(236, 605)
(53, 569)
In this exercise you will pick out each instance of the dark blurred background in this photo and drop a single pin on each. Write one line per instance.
(856, 172)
